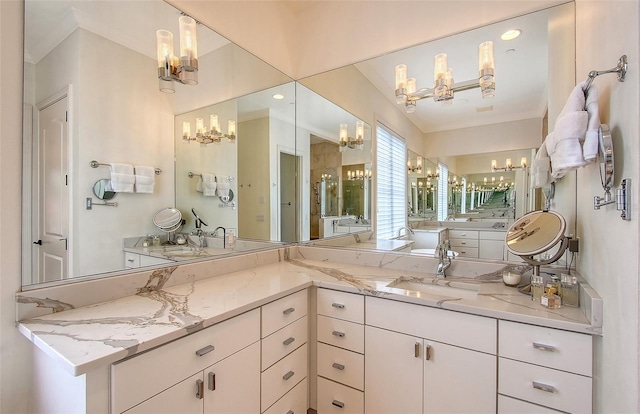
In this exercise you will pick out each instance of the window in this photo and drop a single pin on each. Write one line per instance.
(443, 192)
(391, 174)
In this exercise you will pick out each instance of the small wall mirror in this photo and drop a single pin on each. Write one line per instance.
(605, 158)
(102, 189)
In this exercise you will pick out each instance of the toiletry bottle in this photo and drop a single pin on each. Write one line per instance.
(537, 283)
(570, 290)
(555, 283)
(550, 299)
(146, 242)
(156, 240)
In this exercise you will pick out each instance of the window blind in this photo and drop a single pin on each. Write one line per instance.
(443, 192)
(391, 175)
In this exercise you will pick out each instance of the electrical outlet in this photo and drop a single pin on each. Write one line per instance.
(574, 245)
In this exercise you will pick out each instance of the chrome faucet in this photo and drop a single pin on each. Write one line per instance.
(407, 229)
(444, 260)
(224, 235)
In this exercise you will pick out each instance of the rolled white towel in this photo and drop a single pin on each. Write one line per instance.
(564, 145)
(145, 179)
(209, 185)
(592, 137)
(541, 167)
(223, 186)
(122, 177)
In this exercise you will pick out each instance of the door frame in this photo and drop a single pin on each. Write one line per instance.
(299, 158)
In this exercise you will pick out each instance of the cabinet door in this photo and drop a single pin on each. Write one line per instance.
(458, 380)
(233, 384)
(393, 372)
(491, 249)
(181, 398)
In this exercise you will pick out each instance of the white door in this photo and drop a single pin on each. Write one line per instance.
(182, 398)
(288, 184)
(458, 380)
(53, 192)
(232, 386)
(393, 372)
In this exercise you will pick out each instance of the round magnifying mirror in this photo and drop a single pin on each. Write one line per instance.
(168, 219)
(605, 157)
(103, 190)
(199, 217)
(535, 233)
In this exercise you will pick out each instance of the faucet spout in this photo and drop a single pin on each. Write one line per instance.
(224, 235)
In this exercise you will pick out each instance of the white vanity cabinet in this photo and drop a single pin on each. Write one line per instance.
(427, 360)
(491, 245)
(340, 352)
(543, 366)
(464, 242)
(285, 357)
(216, 370)
(135, 260)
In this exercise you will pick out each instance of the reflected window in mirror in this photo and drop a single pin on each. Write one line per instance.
(443, 192)
(391, 208)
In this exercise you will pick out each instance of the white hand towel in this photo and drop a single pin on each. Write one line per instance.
(145, 179)
(591, 140)
(540, 168)
(199, 184)
(209, 184)
(122, 178)
(223, 187)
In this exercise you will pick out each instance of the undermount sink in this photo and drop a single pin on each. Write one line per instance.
(438, 287)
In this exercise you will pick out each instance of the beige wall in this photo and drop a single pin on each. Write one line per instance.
(608, 245)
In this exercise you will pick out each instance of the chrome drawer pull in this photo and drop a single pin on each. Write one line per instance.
(338, 334)
(416, 350)
(544, 347)
(543, 387)
(338, 305)
(205, 350)
(338, 403)
(427, 352)
(290, 412)
(288, 341)
(199, 389)
(288, 311)
(338, 366)
(212, 381)
(287, 375)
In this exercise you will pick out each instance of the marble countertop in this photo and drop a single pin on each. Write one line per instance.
(89, 337)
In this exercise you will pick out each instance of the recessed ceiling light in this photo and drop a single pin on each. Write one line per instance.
(510, 50)
(278, 96)
(511, 34)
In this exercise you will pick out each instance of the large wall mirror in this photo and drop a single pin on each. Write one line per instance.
(485, 146)
(92, 93)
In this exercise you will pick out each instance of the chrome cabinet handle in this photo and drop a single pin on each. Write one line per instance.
(205, 350)
(337, 403)
(338, 305)
(288, 341)
(544, 347)
(212, 381)
(287, 375)
(338, 334)
(288, 311)
(199, 389)
(338, 366)
(543, 387)
(427, 352)
(290, 412)
(416, 349)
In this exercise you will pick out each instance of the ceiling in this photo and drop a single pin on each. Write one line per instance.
(520, 67)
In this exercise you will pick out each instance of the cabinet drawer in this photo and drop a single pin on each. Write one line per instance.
(283, 376)
(341, 305)
(466, 251)
(334, 398)
(463, 234)
(545, 386)
(282, 312)
(468, 331)
(341, 333)
(492, 235)
(508, 405)
(281, 343)
(131, 260)
(169, 364)
(340, 365)
(295, 401)
(463, 243)
(181, 398)
(567, 351)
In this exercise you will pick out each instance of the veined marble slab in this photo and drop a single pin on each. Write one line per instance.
(82, 338)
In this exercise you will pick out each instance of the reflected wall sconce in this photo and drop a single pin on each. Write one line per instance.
(430, 175)
(171, 68)
(325, 177)
(417, 168)
(359, 174)
(350, 142)
(213, 134)
(508, 165)
(444, 87)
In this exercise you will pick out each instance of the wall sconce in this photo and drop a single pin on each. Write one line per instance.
(508, 165)
(325, 177)
(171, 68)
(213, 134)
(444, 88)
(358, 175)
(349, 142)
(417, 168)
(430, 175)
